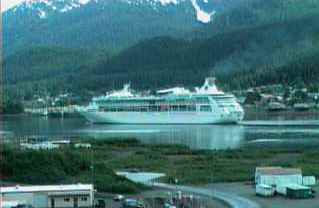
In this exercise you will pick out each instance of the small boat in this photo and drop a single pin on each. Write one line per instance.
(301, 107)
(276, 106)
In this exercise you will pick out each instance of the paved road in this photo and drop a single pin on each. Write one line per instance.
(231, 199)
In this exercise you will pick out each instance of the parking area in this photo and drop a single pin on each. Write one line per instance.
(248, 191)
(159, 199)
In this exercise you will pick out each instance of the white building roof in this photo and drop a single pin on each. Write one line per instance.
(66, 141)
(49, 188)
(297, 187)
(8, 204)
(41, 145)
(141, 177)
(278, 171)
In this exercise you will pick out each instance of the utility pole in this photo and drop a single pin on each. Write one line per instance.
(1, 101)
(1, 68)
(212, 169)
(92, 165)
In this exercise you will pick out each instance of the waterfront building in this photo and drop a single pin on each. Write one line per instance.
(50, 196)
(83, 145)
(40, 146)
(278, 176)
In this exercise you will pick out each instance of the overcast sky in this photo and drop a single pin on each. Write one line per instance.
(5, 4)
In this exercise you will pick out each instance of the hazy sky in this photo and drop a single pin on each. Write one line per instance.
(5, 4)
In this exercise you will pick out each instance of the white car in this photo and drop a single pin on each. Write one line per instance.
(118, 197)
(167, 205)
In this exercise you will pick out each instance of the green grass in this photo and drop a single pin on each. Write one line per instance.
(189, 167)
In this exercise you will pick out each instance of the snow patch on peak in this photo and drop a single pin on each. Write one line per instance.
(42, 14)
(29, 3)
(202, 16)
(166, 2)
(84, 1)
(66, 8)
(43, 7)
(153, 2)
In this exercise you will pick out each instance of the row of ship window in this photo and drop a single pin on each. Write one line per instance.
(155, 108)
(67, 199)
(203, 100)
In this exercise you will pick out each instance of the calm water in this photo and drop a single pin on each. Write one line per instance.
(194, 136)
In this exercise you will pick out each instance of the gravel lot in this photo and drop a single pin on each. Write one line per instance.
(248, 191)
(148, 198)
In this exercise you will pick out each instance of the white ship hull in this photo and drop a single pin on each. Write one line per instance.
(162, 117)
(207, 105)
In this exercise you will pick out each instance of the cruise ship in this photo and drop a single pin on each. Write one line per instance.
(204, 105)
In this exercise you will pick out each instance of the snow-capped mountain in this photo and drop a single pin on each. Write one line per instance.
(43, 8)
(103, 23)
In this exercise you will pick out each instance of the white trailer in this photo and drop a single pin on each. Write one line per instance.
(265, 190)
(278, 176)
(282, 190)
(309, 180)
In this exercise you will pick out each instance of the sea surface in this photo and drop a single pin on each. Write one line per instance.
(262, 130)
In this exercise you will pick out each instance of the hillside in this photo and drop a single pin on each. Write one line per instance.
(42, 69)
(252, 13)
(250, 50)
(98, 24)
(303, 70)
(165, 61)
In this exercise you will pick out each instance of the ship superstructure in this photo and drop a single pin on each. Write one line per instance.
(206, 105)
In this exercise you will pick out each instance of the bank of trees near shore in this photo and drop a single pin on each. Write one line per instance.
(61, 166)
(11, 107)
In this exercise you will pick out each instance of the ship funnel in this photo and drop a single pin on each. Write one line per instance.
(126, 87)
(125, 92)
(210, 81)
(209, 87)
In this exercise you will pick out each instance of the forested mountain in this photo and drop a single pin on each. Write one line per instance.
(252, 13)
(102, 24)
(249, 43)
(301, 71)
(260, 50)
(42, 63)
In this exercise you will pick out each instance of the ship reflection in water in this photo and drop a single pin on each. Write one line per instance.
(193, 136)
(252, 135)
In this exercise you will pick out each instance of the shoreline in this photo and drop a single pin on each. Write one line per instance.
(223, 175)
(190, 167)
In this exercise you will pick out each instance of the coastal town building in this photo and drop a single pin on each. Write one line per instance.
(51, 196)
(284, 181)
(278, 176)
